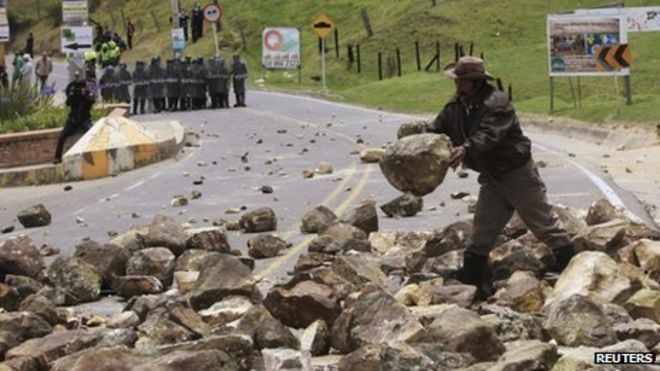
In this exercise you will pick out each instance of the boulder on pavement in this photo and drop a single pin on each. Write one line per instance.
(642, 329)
(403, 206)
(647, 253)
(24, 325)
(462, 330)
(316, 338)
(77, 277)
(108, 259)
(576, 321)
(601, 211)
(606, 237)
(34, 216)
(132, 241)
(155, 261)
(363, 216)
(375, 317)
(417, 164)
(285, 359)
(266, 331)
(20, 256)
(130, 286)
(196, 260)
(324, 168)
(159, 330)
(386, 357)
(595, 275)
(259, 220)
(166, 232)
(527, 355)
(225, 311)
(317, 220)
(25, 285)
(372, 155)
(211, 239)
(412, 128)
(299, 304)
(110, 358)
(510, 325)
(644, 304)
(266, 246)
(359, 270)
(41, 306)
(227, 277)
(9, 297)
(210, 359)
(56, 345)
(523, 293)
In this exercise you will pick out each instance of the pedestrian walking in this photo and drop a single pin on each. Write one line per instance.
(43, 69)
(80, 101)
(29, 45)
(240, 73)
(26, 70)
(18, 66)
(487, 138)
(130, 30)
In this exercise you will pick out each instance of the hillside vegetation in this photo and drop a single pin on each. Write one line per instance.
(510, 34)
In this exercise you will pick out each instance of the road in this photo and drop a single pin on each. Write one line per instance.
(316, 131)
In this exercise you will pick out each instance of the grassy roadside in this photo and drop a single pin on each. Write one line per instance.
(510, 33)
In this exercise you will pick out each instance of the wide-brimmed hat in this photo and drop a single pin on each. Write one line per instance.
(469, 68)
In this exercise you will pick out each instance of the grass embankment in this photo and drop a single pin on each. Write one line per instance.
(511, 34)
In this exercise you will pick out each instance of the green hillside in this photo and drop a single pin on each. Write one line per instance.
(510, 33)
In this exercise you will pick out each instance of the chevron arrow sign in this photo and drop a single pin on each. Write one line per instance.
(613, 57)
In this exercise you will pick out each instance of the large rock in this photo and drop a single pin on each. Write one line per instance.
(9, 297)
(285, 359)
(34, 216)
(523, 293)
(647, 253)
(130, 286)
(302, 303)
(211, 239)
(133, 240)
(266, 246)
(527, 355)
(417, 164)
(238, 346)
(576, 321)
(386, 357)
(108, 259)
(25, 285)
(372, 155)
(317, 220)
(158, 330)
(606, 237)
(601, 211)
(225, 278)
(375, 317)
(56, 345)
(403, 206)
(462, 330)
(259, 220)
(41, 306)
(412, 128)
(79, 278)
(101, 359)
(510, 325)
(266, 331)
(359, 270)
(166, 232)
(595, 275)
(189, 319)
(196, 260)
(642, 329)
(20, 256)
(644, 304)
(518, 260)
(225, 311)
(316, 338)
(24, 325)
(211, 359)
(155, 261)
(363, 216)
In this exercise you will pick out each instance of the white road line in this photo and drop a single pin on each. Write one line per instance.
(604, 188)
(138, 184)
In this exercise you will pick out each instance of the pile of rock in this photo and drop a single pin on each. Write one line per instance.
(359, 299)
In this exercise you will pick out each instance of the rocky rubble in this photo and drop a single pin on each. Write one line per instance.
(358, 299)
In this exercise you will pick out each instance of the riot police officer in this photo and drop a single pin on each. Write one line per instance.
(140, 87)
(108, 85)
(123, 80)
(172, 84)
(157, 85)
(240, 74)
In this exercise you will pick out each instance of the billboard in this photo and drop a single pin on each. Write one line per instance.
(281, 48)
(574, 42)
(4, 25)
(74, 12)
(639, 19)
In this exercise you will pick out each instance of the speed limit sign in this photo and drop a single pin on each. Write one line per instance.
(212, 13)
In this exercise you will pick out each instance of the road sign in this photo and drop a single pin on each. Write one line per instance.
(178, 39)
(212, 13)
(281, 48)
(613, 57)
(4, 26)
(75, 39)
(323, 26)
(74, 12)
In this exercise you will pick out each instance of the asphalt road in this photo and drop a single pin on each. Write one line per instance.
(316, 131)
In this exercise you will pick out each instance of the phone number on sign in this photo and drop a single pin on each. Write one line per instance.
(282, 64)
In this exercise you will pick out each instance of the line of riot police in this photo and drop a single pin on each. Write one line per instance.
(183, 85)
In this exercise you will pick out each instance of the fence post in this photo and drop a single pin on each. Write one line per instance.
(351, 57)
(398, 61)
(510, 93)
(359, 61)
(471, 47)
(380, 67)
(152, 16)
(336, 43)
(437, 52)
(367, 24)
(419, 61)
(456, 52)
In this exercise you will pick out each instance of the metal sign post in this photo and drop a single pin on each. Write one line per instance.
(323, 26)
(212, 14)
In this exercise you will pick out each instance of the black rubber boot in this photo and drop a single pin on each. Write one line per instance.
(563, 256)
(476, 272)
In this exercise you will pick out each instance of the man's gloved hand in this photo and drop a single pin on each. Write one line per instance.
(456, 157)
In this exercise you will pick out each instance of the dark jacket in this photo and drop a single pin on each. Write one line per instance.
(487, 126)
(80, 101)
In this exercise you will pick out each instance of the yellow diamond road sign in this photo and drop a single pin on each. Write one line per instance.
(323, 26)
